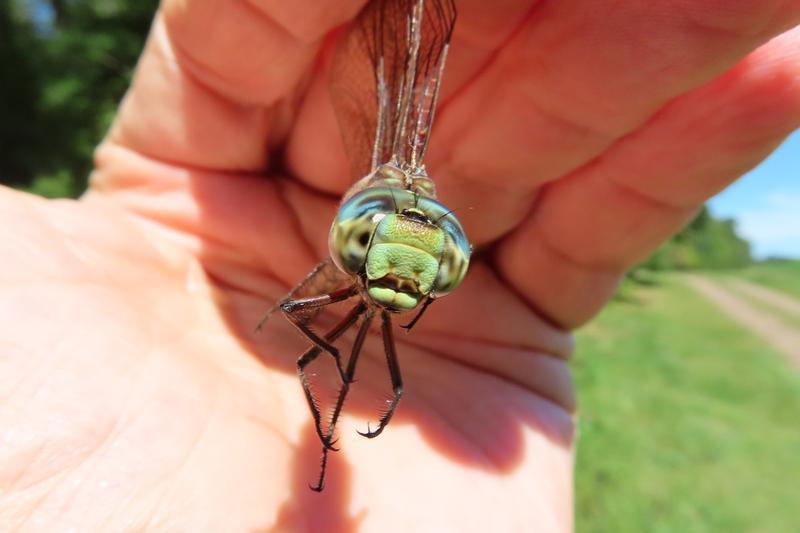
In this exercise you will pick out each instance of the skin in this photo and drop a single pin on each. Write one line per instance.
(581, 134)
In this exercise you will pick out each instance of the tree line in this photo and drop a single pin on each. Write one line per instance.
(706, 243)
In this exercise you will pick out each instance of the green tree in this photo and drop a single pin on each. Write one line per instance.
(21, 135)
(707, 242)
(69, 72)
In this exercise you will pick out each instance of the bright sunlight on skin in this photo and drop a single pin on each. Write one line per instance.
(583, 134)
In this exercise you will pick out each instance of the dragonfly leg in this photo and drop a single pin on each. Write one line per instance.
(394, 374)
(311, 354)
(407, 327)
(293, 309)
(313, 277)
(327, 441)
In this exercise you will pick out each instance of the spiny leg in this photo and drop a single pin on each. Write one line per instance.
(312, 353)
(394, 374)
(266, 316)
(290, 309)
(350, 373)
(407, 327)
(315, 281)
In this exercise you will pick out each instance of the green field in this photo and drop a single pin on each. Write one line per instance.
(687, 422)
(781, 275)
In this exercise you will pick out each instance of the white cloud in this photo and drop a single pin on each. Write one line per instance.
(784, 200)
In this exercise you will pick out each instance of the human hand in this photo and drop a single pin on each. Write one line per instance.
(136, 393)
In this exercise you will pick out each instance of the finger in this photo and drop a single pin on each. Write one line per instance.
(213, 81)
(572, 80)
(240, 226)
(560, 85)
(591, 226)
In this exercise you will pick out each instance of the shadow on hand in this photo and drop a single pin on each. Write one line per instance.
(464, 412)
(306, 510)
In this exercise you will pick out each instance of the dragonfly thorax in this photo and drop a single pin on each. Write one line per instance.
(391, 175)
(405, 248)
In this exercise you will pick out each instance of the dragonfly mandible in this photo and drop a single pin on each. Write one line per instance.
(393, 247)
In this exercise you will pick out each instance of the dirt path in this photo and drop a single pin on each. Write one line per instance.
(776, 332)
(769, 296)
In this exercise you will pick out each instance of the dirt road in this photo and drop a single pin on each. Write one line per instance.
(778, 333)
(769, 296)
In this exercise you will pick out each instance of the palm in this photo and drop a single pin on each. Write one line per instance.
(158, 386)
(160, 399)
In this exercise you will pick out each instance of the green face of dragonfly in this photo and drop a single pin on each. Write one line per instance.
(405, 247)
(403, 260)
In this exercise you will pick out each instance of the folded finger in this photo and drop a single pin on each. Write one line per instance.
(545, 87)
(589, 227)
(211, 87)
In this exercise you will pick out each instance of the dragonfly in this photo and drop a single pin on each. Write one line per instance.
(393, 247)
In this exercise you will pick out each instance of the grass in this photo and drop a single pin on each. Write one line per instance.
(687, 422)
(781, 275)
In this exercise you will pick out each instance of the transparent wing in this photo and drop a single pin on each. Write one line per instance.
(385, 80)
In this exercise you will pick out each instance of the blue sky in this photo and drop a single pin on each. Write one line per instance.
(766, 203)
(42, 14)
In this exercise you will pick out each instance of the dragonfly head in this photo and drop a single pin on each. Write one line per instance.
(405, 248)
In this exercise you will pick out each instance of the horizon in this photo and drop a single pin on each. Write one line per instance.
(765, 203)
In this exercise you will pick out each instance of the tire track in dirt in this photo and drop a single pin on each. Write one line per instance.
(777, 333)
(768, 296)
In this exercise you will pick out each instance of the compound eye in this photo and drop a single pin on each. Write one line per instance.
(457, 250)
(455, 259)
(355, 222)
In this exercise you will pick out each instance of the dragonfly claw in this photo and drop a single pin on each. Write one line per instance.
(329, 444)
(369, 433)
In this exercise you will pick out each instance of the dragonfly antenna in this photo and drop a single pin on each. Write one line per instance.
(441, 217)
(470, 208)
